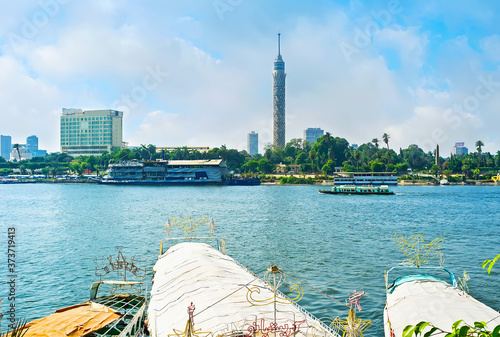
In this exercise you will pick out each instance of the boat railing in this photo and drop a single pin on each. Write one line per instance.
(220, 244)
(453, 280)
(135, 327)
(134, 302)
(298, 307)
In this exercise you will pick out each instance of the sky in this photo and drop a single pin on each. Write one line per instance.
(199, 72)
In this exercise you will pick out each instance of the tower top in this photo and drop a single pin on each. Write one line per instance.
(279, 47)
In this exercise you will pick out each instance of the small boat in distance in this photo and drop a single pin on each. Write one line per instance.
(351, 189)
(444, 181)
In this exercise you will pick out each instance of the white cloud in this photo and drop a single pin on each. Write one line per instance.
(491, 47)
(219, 83)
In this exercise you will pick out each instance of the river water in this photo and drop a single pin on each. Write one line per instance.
(334, 243)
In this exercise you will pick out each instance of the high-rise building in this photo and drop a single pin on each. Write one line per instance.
(279, 99)
(459, 149)
(311, 134)
(253, 143)
(5, 146)
(32, 144)
(91, 132)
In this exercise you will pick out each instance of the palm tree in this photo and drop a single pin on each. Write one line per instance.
(17, 147)
(385, 138)
(312, 155)
(479, 145)
(375, 141)
(357, 155)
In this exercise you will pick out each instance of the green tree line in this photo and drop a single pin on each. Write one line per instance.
(321, 157)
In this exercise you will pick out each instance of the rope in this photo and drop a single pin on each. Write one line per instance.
(213, 304)
(319, 291)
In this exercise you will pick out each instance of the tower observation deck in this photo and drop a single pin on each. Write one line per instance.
(279, 99)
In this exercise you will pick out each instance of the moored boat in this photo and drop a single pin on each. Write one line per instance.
(366, 178)
(166, 172)
(418, 296)
(351, 189)
(117, 310)
(199, 290)
(421, 294)
(444, 181)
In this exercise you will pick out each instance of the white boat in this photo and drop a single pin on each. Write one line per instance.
(444, 182)
(366, 178)
(418, 296)
(200, 291)
(166, 172)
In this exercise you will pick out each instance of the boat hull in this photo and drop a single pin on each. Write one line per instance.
(160, 182)
(355, 193)
(436, 302)
(224, 296)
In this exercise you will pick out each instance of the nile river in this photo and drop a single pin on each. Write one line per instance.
(335, 243)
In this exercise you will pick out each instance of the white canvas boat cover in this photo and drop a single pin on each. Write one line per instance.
(436, 302)
(217, 286)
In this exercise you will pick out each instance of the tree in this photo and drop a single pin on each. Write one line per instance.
(251, 166)
(375, 141)
(385, 138)
(312, 155)
(328, 168)
(265, 166)
(17, 147)
(479, 145)
(377, 166)
(357, 155)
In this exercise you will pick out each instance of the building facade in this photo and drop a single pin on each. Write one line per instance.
(5, 146)
(20, 153)
(279, 99)
(311, 134)
(90, 132)
(253, 143)
(32, 144)
(459, 149)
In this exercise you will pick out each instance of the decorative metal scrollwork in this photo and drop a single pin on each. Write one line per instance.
(419, 253)
(189, 225)
(222, 245)
(189, 330)
(352, 326)
(120, 265)
(274, 278)
(462, 282)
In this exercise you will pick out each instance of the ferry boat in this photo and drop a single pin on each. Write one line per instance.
(166, 172)
(200, 291)
(366, 178)
(351, 189)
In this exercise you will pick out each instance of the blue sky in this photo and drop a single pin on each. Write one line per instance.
(199, 72)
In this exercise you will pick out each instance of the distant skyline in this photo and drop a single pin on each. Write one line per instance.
(199, 73)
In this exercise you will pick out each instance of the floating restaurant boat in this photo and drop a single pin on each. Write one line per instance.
(166, 172)
(119, 310)
(351, 189)
(366, 178)
(421, 294)
(199, 291)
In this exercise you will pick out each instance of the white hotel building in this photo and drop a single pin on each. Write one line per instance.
(90, 132)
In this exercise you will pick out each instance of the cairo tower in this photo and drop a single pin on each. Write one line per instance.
(279, 100)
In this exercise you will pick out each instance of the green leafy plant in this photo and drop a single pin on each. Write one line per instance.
(457, 330)
(490, 263)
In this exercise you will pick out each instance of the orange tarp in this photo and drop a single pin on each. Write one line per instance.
(74, 321)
